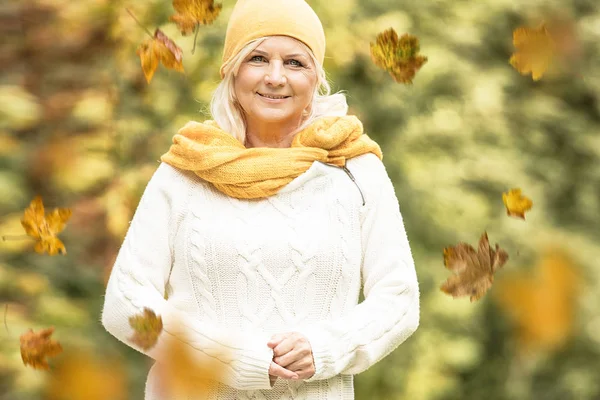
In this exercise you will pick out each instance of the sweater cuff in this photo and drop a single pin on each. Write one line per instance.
(322, 354)
(253, 366)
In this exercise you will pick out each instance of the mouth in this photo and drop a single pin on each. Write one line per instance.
(272, 97)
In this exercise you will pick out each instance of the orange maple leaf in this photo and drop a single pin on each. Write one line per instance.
(35, 347)
(398, 56)
(542, 306)
(516, 204)
(474, 270)
(190, 13)
(83, 376)
(159, 49)
(147, 327)
(45, 228)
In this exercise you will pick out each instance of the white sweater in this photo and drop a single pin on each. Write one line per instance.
(238, 271)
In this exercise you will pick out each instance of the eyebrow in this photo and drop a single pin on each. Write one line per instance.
(264, 53)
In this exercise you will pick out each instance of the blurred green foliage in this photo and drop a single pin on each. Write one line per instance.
(80, 126)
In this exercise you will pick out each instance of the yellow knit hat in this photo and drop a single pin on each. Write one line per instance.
(253, 19)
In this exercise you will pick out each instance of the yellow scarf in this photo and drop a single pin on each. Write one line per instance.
(219, 158)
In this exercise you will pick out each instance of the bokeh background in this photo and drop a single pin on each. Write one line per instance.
(80, 126)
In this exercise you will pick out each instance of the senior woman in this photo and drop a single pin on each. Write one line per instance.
(259, 228)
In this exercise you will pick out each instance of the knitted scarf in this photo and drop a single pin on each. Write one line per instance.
(251, 173)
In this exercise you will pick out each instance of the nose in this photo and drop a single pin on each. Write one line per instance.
(276, 74)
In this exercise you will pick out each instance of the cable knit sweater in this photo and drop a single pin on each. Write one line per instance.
(238, 271)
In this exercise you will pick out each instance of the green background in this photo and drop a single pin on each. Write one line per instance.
(80, 126)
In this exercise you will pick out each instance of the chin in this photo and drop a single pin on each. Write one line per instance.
(273, 116)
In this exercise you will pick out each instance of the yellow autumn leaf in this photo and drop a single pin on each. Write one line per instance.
(35, 347)
(397, 55)
(516, 204)
(45, 227)
(190, 13)
(159, 49)
(146, 327)
(535, 51)
(181, 374)
(81, 375)
(542, 305)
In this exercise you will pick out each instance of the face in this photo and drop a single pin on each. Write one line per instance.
(278, 67)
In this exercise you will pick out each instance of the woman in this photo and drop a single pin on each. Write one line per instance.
(258, 230)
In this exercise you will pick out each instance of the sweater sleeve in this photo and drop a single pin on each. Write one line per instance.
(138, 280)
(389, 314)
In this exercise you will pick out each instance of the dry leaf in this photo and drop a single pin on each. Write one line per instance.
(190, 13)
(35, 347)
(535, 50)
(474, 269)
(180, 374)
(45, 227)
(516, 204)
(398, 56)
(147, 327)
(159, 49)
(542, 305)
(82, 376)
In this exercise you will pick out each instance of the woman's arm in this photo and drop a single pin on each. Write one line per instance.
(390, 312)
(138, 280)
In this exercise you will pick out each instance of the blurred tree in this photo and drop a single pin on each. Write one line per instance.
(80, 126)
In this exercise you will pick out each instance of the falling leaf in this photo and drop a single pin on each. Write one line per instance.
(398, 56)
(181, 374)
(159, 49)
(190, 13)
(474, 270)
(45, 227)
(82, 375)
(516, 204)
(147, 327)
(35, 347)
(542, 305)
(535, 50)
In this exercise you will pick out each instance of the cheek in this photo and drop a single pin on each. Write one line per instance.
(303, 88)
(245, 83)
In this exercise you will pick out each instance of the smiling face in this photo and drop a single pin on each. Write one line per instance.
(276, 82)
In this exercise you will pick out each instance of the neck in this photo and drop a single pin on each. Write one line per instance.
(266, 134)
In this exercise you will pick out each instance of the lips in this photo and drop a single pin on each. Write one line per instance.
(277, 97)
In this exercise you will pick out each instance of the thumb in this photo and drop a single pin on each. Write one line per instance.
(277, 370)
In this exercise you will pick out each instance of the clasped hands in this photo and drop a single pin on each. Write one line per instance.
(292, 357)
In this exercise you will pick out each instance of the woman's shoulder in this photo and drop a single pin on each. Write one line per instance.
(175, 178)
(370, 173)
(366, 161)
(167, 172)
(368, 165)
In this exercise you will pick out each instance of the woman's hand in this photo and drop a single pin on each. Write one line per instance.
(293, 352)
(276, 370)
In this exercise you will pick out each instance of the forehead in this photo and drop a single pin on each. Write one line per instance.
(283, 45)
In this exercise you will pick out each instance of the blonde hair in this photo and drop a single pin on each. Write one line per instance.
(227, 113)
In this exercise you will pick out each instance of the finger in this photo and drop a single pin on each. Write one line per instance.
(288, 358)
(278, 370)
(276, 339)
(284, 347)
(298, 365)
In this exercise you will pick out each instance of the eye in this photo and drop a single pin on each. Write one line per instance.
(297, 63)
(256, 58)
